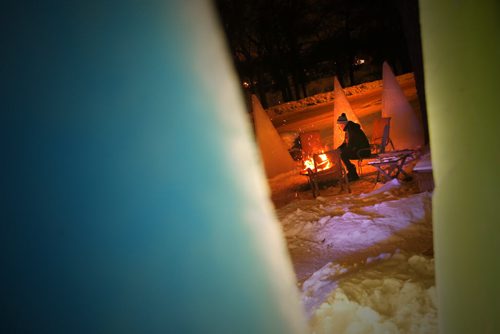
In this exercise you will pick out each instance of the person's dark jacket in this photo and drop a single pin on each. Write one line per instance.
(355, 139)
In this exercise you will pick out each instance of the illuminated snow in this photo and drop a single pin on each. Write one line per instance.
(359, 258)
(273, 150)
(364, 260)
(406, 128)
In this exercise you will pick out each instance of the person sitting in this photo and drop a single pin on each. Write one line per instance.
(355, 139)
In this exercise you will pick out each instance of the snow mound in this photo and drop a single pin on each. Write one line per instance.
(382, 188)
(397, 300)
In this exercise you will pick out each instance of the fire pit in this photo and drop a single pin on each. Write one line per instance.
(325, 166)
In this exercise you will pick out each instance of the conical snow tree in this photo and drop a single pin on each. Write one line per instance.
(340, 105)
(406, 129)
(273, 150)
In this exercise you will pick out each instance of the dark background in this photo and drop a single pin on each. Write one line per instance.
(282, 45)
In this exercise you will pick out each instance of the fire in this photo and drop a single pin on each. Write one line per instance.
(308, 163)
(322, 163)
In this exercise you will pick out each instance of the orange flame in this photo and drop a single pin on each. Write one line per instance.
(308, 163)
(322, 164)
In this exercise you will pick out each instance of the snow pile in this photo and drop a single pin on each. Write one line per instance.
(382, 188)
(273, 151)
(394, 296)
(357, 225)
(329, 96)
(406, 127)
(360, 259)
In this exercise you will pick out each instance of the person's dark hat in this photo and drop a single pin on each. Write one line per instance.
(342, 118)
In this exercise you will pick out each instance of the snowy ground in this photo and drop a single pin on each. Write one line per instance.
(363, 260)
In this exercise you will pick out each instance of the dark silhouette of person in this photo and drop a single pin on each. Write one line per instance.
(355, 145)
(296, 149)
